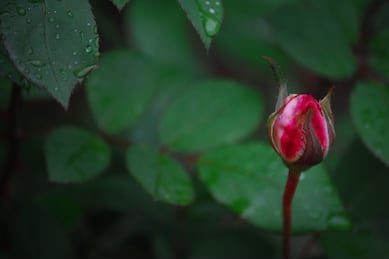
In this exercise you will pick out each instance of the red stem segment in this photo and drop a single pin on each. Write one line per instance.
(290, 188)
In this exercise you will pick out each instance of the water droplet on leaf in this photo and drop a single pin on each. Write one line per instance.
(97, 42)
(29, 51)
(36, 63)
(70, 14)
(340, 223)
(83, 72)
(88, 49)
(21, 11)
(211, 26)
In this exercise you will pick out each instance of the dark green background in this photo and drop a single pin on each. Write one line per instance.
(141, 128)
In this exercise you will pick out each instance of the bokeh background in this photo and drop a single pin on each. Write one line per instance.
(162, 151)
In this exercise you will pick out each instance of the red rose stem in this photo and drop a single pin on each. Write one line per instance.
(290, 188)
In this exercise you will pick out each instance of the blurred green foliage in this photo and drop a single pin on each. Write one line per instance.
(160, 151)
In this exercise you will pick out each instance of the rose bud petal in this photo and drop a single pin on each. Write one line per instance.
(301, 130)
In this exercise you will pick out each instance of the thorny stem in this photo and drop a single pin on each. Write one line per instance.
(12, 142)
(290, 188)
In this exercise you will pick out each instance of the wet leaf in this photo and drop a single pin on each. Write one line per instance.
(52, 43)
(250, 180)
(160, 175)
(74, 155)
(369, 108)
(206, 16)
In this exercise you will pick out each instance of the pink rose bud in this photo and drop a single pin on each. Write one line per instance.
(301, 130)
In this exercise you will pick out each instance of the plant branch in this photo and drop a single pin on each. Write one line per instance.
(289, 191)
(12, 154)
(361, 48)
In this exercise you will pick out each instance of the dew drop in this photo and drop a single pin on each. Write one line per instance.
(211, 10)
(74, 53)
(36, 63)
(88, 24)
(51, 19)
(57, 36)
(56, 89)
(75, 62)
(70, 14)
(83, 72)
(64, 74)
(82, 35)
(217, 3)
(339, 222)
(88, 49)
(95, 29)
(211, 26)
(207, 3)
(57, 26)
(3, 12)
(21, 11)
(29, 51)
(28, 20)
(97, 42)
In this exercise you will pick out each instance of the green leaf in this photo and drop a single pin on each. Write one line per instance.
(209, 114)
(206, 16)
(239, 42)
(345, 15)
(120, 3)
(118, 92)
(369, 109)
(379, 52)
(326, 51)
(52, 43)
(145, 130)
(161, 176)
(161, 35)
(74, 155)
(7, 69)
(245, 8)
(369, 182)
(250, 180)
